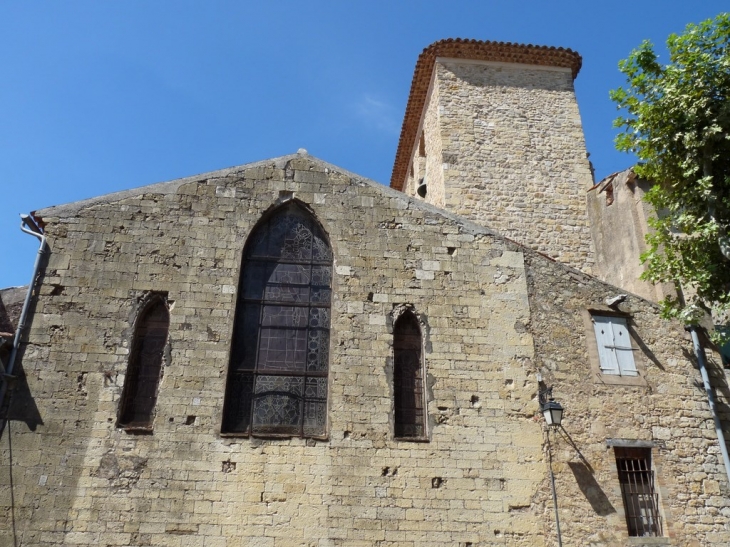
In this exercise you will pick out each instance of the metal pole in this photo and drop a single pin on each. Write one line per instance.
(42, 249)
(552, 482)
(700, 353)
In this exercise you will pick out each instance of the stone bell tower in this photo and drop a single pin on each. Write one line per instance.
(492, 132)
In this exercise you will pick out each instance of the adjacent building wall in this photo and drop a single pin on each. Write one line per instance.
(618, 219)
(665, 408)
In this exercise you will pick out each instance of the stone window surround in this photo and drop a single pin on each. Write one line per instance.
(592, 346)
(656, 466)
(391, 319)
(302, 209)
(127, 400)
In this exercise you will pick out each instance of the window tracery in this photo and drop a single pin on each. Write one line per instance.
(277, 380)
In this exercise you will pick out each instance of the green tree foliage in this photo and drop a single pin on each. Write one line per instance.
(677, 121)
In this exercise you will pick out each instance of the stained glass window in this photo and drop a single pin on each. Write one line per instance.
(408, 379)
(277, 379)
(145, 366)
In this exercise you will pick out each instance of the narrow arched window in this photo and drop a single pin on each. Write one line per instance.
(145, 366)
(277, 377)
(408, 392)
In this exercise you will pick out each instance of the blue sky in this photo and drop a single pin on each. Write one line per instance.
(97, 97)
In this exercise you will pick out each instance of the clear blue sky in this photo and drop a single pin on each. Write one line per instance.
(97, 97)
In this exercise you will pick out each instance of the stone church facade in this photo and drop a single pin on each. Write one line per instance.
(285, 353)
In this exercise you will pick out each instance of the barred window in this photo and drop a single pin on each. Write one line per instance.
(408, 386)
(641, 500)
(277, 377)
(144, 371)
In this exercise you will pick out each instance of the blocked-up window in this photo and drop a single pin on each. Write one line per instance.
(277, 377)
(615, 352)
(409, 399)
(640, 497)
(145, 366)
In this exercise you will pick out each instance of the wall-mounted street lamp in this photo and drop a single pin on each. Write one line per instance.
(551, 410)
(553, 413)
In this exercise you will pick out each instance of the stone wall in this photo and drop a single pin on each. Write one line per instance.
(11, 304)
(434, 153)
(513, 153)
(619, 224)
(493, 314)
(427, 154)
(667, 409)
(79, 480)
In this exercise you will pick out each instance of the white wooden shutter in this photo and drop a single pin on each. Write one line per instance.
(604, 338)
(622, 346)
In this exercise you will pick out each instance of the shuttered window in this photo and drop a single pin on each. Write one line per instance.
(277, 377)
(614, 346)
(145, 366)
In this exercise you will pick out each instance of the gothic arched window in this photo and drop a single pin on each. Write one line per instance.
(145, 366)
(277, 377)
(409, 399)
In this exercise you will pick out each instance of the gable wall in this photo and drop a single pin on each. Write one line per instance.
(493, 315)
(93, 484)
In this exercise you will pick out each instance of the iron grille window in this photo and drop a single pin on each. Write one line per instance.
(408, 378)
(641, 501)
(145, 366)
(277, 378)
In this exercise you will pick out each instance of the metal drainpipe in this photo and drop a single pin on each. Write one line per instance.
(700, 353)
(42, 249)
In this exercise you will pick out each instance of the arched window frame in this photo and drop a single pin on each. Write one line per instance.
(148, 355)
(410, 421)
(252, 350)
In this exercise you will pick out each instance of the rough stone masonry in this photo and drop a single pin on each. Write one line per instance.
(499, 320)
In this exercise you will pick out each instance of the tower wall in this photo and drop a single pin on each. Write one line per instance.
(509, 153)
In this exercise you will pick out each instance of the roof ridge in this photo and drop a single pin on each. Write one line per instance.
(162, 187)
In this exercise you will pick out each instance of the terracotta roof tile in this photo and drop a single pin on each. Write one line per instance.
(457, 48)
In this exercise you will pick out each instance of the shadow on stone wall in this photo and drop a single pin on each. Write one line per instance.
(21, 405)
(644, 348)
(591, 489)
(584, 477)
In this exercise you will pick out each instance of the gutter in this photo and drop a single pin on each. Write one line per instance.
(700, 353)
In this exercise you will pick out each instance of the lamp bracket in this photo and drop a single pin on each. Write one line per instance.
(545, 395)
